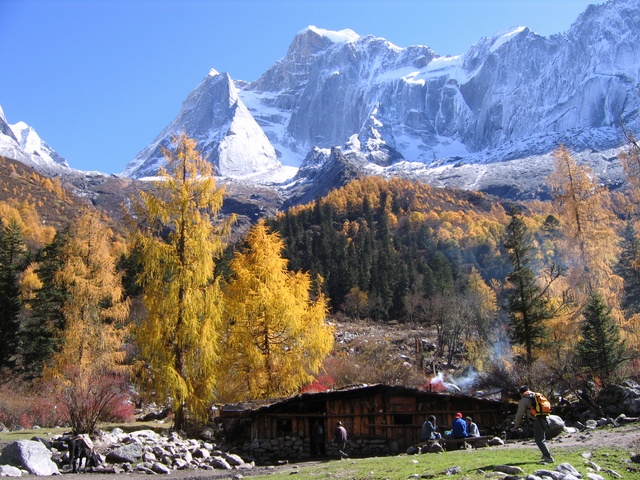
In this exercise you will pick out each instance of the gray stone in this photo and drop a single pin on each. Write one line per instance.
(201, 453)
(556, 426)
(130, 453)
(508, 469)
(233, 459)
(567, 468)
(10, 471)
(594, 476)
(160, 468)
(436, 448)
(221, 463)
(32, 456)
(149, 457)
(549, 473)
(145, 434)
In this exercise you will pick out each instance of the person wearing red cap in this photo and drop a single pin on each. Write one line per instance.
(459, 427)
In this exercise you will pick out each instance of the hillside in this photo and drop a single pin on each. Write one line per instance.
(55, 204)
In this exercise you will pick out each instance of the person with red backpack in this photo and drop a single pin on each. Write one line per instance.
(535, 406)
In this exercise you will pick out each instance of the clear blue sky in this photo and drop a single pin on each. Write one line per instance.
(99, 79)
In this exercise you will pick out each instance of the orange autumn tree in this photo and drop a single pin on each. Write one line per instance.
(275, 332)
(88, 370)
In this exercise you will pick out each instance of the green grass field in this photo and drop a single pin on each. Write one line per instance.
(473, 464)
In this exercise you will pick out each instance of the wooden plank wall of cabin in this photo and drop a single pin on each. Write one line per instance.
(402, 428)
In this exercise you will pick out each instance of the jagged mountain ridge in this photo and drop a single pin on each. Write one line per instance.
(21, 142)
(506, 103)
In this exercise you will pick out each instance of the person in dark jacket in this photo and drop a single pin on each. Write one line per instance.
(430, 430)
(340, 437)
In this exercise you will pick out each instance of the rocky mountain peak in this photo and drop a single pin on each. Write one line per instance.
(312, 40)
(486, 120)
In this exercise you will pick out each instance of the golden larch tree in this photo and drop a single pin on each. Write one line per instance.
(91, 355)
(178, 245)
(275, 330)
(590, 243)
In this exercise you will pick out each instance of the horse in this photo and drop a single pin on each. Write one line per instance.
(81, 446)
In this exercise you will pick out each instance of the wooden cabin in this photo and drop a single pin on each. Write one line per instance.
(380, 420)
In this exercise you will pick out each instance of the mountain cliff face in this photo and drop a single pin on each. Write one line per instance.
(226, 132)
(513, 96)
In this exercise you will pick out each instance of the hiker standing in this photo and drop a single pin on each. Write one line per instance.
(527, 406)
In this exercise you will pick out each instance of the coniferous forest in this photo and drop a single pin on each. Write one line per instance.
(170, 310)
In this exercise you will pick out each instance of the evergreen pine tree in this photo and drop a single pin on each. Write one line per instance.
(528, 309)
(12, 251)
(600, 350)
(41, 334)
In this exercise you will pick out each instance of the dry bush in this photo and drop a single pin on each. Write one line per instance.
(22, 406)
(93, 397)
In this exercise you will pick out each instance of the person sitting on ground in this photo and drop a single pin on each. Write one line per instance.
(430, 430)
(472, 428)
(459, 427)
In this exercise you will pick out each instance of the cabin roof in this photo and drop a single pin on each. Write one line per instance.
(353, 391)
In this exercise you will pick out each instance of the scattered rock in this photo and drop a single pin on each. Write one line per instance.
(567, 468)
(129, 453)
(548, 473)
(10, 471)
(32, 456)
(436, 448)
(508, 469)
(594, 476)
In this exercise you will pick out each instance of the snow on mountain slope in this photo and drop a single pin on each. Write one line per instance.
(227, 134)
(32, 144)
(514, 95)
(21, 142)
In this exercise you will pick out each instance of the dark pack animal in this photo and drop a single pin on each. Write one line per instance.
(81, 447)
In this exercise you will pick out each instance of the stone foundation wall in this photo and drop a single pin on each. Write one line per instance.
(290, 448)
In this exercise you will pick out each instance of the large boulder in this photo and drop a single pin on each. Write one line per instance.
(625, 397)
(556, 426)
(130, 453)
(32, 456)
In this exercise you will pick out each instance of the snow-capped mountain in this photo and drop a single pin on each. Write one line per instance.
(227, 133)
(515, 95)
(21, 142)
